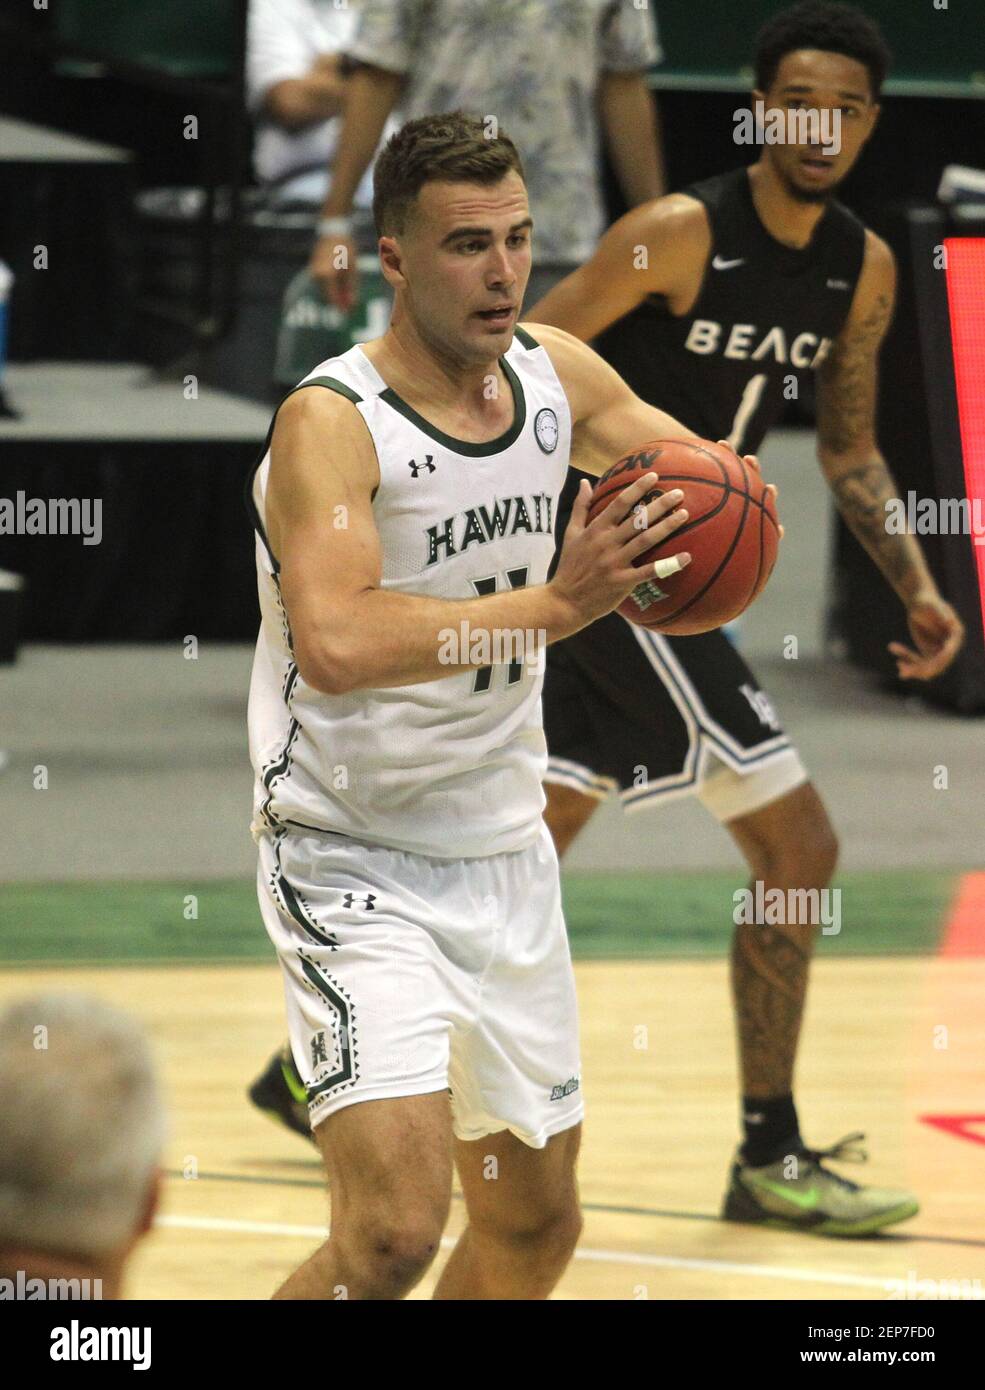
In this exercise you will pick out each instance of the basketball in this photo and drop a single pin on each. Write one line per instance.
(731, 533)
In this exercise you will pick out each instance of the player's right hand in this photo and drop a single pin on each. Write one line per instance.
(333, 269)
(595, 570)
(938, 635)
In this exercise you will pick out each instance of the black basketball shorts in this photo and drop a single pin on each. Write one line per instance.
(650, 717)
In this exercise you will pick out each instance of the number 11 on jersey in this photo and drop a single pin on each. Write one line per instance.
(483, 677)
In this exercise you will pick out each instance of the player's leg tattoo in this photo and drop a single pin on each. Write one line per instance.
(769, 983)
(788, 844)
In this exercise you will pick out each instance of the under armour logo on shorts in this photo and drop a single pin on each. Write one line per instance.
(368, 900)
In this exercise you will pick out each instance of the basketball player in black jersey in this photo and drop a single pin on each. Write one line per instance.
(750, 281)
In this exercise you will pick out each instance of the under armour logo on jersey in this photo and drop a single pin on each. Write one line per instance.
(368, 900)
(415, 468)
(719, 264)
(762, 707)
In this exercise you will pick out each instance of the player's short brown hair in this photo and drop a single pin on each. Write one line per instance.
(452, 146)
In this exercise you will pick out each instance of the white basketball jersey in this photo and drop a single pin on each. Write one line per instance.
(451, 767)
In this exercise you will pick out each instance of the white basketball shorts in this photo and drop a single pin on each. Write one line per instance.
(406, 974)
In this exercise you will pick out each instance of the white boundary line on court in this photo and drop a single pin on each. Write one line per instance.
(622, 1257)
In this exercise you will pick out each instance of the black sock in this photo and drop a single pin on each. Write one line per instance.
(771, 1129)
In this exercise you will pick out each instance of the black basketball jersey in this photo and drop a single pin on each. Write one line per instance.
(765, 314)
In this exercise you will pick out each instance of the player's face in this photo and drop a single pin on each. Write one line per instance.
(810, 80)
(465, 265)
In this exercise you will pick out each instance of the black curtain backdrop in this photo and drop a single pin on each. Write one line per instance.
(177, 549)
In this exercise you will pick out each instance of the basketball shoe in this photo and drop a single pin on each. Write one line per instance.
(279, 1092)
(798, 1193)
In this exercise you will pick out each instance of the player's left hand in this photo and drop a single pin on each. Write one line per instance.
(753, 462)
(938, 633)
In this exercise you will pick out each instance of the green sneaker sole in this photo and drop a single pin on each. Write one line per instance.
(874, 1223)
(826, 1227)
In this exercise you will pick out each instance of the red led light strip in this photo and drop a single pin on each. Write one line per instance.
(966, 306)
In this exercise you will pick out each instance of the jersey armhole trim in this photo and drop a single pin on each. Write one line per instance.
(524, 338)
(706, 268)
(331, 383)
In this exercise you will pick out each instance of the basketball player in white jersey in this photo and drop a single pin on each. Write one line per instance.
(405, 512)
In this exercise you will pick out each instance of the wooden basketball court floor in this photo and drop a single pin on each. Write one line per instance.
(889, 1041)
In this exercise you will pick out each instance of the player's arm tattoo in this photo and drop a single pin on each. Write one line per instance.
(861, 494)
(769, 982)
(853, 466)
(846, 385)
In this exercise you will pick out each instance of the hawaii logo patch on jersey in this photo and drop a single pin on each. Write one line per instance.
(546, 430)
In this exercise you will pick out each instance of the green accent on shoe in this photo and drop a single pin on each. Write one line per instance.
(293, 1082)
(271, 1093)
(805, 1200)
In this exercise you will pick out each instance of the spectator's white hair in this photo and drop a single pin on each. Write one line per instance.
(81, 1125)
